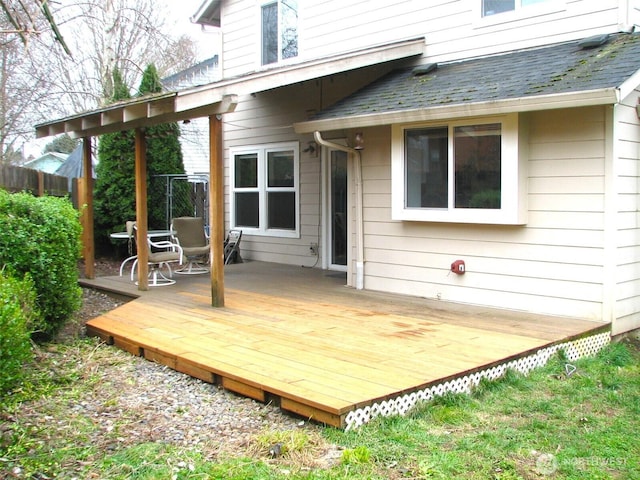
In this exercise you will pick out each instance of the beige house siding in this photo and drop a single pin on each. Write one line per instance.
(240, 29)
(453, 29)
(540, 24)
(554, 264)
(627, 218)
(634, 13)
(267, 118)
(577, 255)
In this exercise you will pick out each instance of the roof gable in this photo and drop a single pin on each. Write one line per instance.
(73, 167)
(48, 162)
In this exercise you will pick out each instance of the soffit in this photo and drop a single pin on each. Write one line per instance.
(208, 13)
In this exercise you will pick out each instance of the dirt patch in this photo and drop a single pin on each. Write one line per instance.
(103, 267)
(631, 340)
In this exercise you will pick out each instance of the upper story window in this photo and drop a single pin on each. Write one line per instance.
(463, 171)
(492, 7)
(264, 199)
(279, 30)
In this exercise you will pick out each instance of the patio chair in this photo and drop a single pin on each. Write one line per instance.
(189, 233)
(161, 253)
(232, 247)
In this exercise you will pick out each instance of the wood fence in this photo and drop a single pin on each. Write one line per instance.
(20, 179)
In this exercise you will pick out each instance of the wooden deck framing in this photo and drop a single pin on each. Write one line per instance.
(298, 337)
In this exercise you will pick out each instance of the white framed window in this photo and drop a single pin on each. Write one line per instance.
(278, 31)
(497, 13)
(467, 171)
(493, 7)
(265, 189)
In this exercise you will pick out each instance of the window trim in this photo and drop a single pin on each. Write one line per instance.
(519, 13)
(263, 5)
(262, 154)
(280, 60)
(522, 14)
(513, 176)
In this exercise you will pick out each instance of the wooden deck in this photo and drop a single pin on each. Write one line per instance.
(299, 337)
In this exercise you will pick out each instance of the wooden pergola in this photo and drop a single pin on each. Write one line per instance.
(211, 100)
(137, 115)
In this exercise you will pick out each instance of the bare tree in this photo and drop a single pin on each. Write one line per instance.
(105, 34)
(22, 91)
(41, 81)
(22, 18)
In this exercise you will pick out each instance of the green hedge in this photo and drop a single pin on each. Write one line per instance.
(17, 312)
(41, 236)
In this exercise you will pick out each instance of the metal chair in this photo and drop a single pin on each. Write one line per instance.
(189, 233)
(162, 253)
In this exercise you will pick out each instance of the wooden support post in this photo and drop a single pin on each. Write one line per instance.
(141, 210)
(86, 210)
(216, 210)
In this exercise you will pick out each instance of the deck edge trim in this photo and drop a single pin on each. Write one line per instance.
(575, 348)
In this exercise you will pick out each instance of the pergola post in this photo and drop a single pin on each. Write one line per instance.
(145, 112)
(141, 209)
(86, 208)
(216, 210)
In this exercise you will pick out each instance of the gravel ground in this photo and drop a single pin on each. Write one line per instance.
(135, 400)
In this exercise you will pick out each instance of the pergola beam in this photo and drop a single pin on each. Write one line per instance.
(161, 107)
(139, 113)
(110, 117)
(91, 121)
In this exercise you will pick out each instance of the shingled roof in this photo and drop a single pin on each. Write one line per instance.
(540, 72)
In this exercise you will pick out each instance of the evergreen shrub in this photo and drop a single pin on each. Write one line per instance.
(17, 313)
(40, 236)
(115, 192)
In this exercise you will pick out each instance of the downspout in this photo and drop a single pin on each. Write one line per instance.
(359, 223)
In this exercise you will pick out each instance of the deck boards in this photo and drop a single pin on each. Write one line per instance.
(318, 348)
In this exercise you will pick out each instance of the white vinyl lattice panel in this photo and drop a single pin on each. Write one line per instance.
(400, 405)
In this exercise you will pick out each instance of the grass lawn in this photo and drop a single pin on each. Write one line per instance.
(556, 423)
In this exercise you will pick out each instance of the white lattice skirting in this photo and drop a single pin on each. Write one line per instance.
(400, 405)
